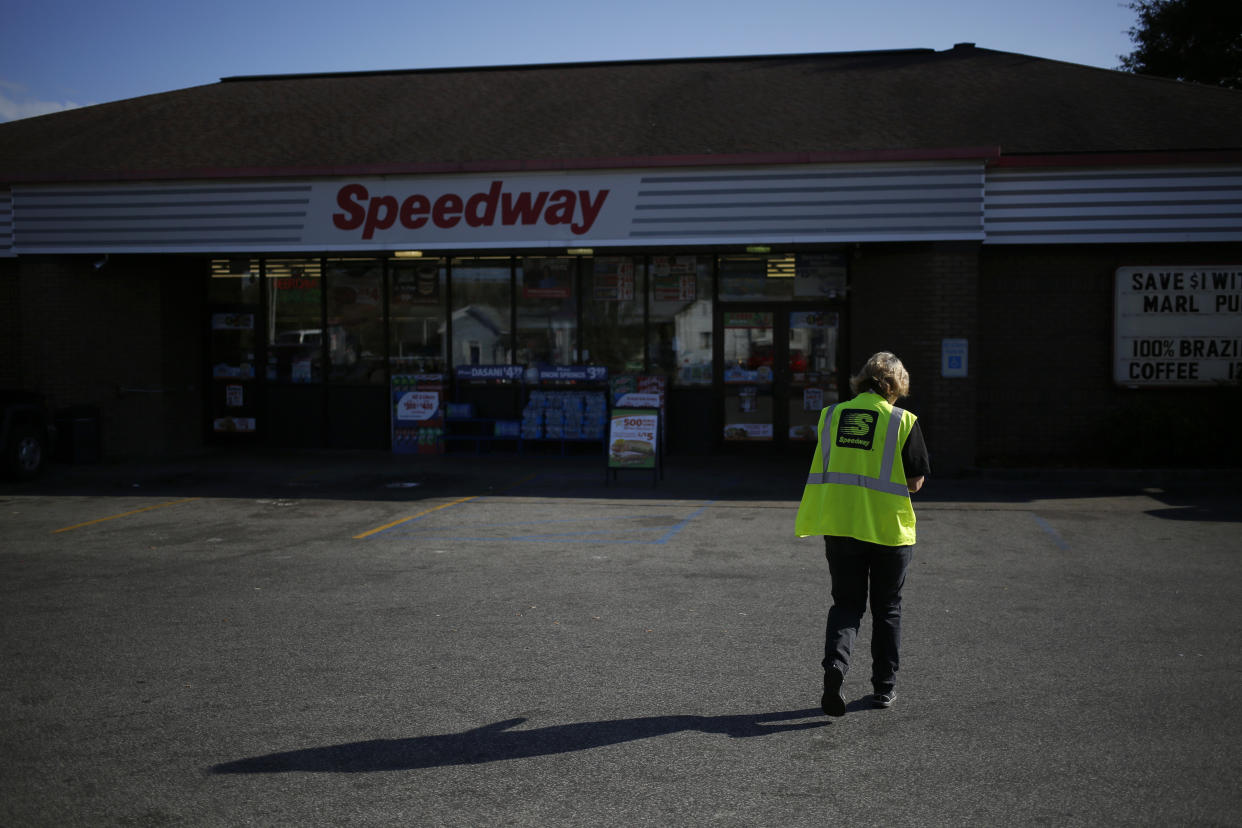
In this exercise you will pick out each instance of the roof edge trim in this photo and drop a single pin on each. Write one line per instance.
(983, 154)
(1132, 159)
(566, 65)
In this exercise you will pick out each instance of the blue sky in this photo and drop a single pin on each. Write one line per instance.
(62, 53)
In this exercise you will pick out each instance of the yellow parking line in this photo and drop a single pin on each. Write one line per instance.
(379, 529)
(411, 517)
(123, 514)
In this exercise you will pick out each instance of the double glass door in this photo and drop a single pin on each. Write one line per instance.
(779, 368)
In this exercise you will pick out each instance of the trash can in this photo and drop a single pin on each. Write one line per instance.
(77, 434)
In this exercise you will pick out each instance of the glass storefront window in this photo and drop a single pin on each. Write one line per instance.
(680, 343)
(481, 326)
(234, 282)
(612, 313)
(416, 316)
(355, 321)
(294, 320)
(547, 313)
(820, 276)
(757, 278)
(232, 356)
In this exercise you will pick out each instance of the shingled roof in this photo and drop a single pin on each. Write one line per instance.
(621, 114)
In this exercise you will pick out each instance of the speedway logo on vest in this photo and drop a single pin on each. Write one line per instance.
(856, 429)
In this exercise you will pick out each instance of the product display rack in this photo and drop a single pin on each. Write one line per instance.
(462, 427)
(561, 408)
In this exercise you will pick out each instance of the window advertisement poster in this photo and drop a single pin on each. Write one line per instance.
(416, 284)
(548, 278)
(417, 413)
(638, 391)
(233, 425)
(632, 438)
(1178, 325)
(232, 321)
(741, 432)
(820, 276)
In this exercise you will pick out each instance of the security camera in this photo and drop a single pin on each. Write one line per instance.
(101, 261)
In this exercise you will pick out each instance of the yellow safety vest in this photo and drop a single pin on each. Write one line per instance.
(857, 484)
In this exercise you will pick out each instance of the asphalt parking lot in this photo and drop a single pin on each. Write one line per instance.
(355, 639)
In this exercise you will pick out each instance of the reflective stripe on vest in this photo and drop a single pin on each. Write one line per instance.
(884, 482)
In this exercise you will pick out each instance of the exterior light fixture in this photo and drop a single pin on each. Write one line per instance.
(407, 254)
(580, 251)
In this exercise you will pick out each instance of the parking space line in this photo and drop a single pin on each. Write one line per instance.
(674, 530)
(388, 526)
(587, 536)
(1052, 533)
(122, 514)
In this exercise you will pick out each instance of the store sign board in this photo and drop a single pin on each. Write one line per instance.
(1177, 325)
(513, 209)
(517, 208)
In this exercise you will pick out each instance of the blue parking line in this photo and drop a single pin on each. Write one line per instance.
(1052, 533)
(668, 535)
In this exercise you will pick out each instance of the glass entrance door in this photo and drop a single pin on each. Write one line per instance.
(750, 409)
(811, 368)
(779, 368)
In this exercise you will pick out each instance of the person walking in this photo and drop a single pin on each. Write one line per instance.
(870, 457)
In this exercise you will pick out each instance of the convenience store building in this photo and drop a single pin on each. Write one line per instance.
(1054, 250)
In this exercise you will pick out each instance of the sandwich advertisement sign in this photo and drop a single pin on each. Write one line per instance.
(632, 438)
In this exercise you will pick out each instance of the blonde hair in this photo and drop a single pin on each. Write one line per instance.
(885, 375)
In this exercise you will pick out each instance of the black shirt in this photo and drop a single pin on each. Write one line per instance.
(914, 457)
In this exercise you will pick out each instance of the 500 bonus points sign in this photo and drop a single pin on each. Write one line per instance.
(632, 438)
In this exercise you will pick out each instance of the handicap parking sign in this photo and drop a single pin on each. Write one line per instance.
(953, 357)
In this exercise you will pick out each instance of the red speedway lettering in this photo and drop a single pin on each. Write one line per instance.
(577, 208)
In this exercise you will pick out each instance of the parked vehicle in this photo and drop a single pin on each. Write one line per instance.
(26, 434)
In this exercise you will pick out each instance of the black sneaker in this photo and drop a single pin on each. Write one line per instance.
(833, 703)
(884, 699)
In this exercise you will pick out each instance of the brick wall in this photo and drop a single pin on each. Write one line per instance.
(125, 338)
(1046, 377)
(906, 299)
(10, 324)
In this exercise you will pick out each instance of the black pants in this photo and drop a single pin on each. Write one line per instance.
(856, 565)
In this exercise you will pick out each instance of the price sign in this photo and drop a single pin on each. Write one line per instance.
(573, 373)
(418, 405)
(1178, 325)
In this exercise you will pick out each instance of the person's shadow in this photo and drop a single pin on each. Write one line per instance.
(497, 742)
